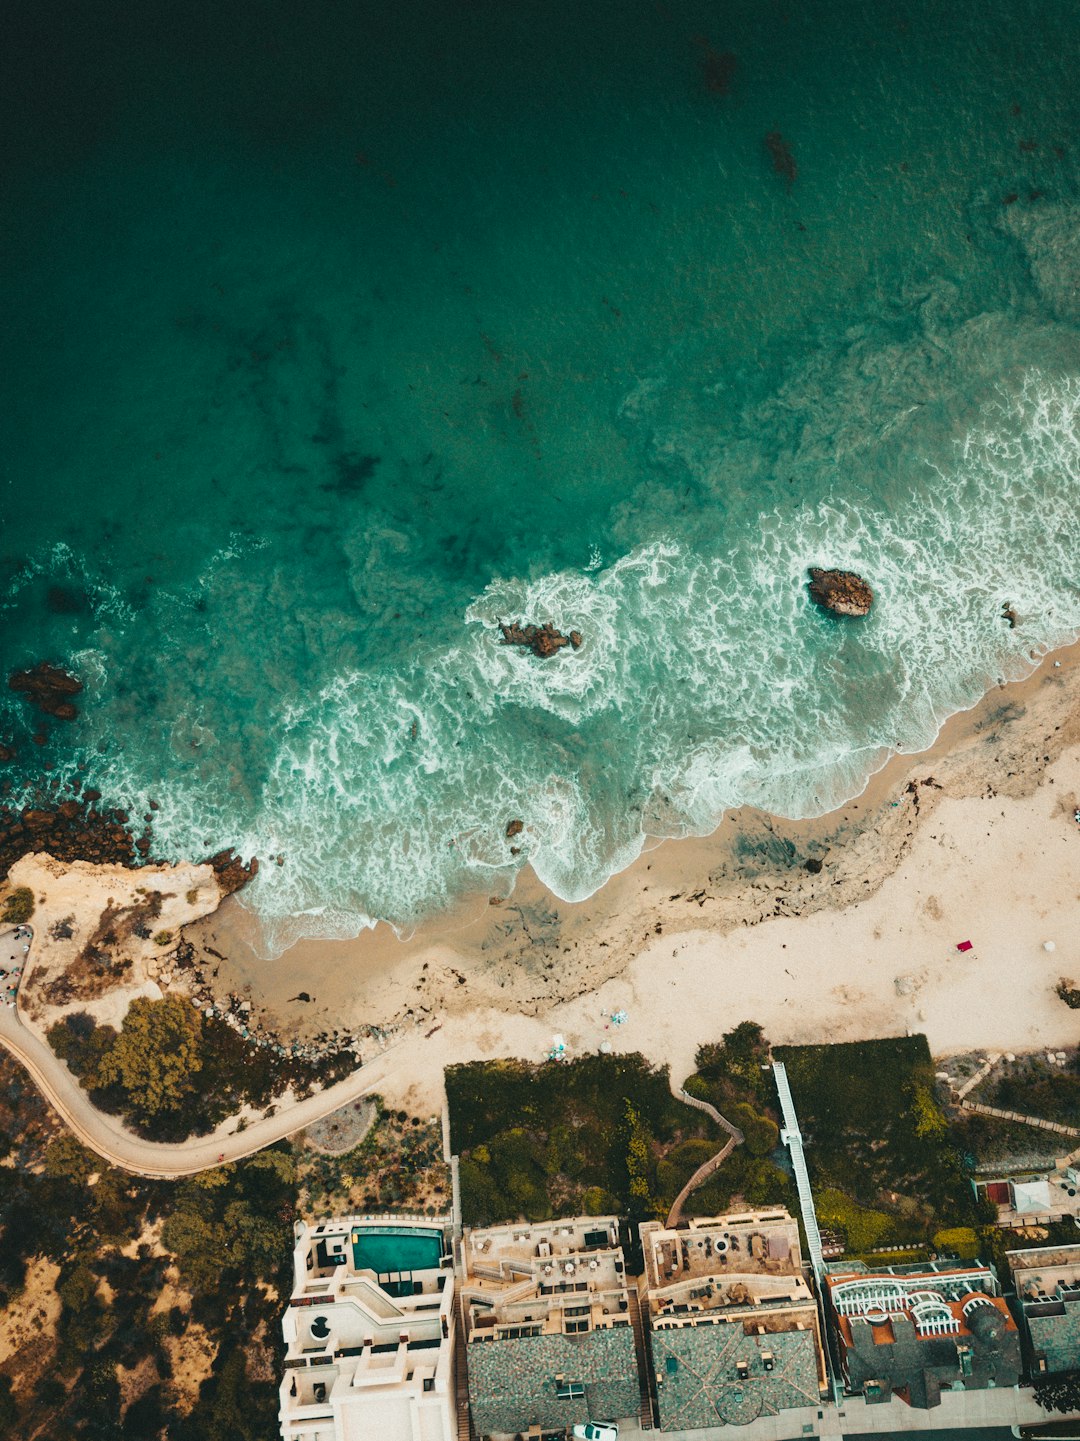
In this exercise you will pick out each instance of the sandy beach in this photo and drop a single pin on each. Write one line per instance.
(974, 840)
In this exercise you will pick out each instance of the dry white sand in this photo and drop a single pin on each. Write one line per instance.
(700, 935)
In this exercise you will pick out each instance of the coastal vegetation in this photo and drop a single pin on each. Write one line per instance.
(18, 907)
(1033, 1086)
(154, 1307)
(883, 1160)
(397, 1166)
(173, 1072)
(604, 1133)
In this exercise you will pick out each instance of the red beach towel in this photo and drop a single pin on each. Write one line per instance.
(963, 945)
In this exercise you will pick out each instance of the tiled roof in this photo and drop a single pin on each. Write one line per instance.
(1055, 1332)
(698, 1380)
(896, 1357)
(512, 1382)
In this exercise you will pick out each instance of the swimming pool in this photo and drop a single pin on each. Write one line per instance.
(387, 1249)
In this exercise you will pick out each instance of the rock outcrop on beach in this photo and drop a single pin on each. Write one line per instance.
(232, 873)
(75, 829)
(543, 640)
(48, 688)
(841, 591)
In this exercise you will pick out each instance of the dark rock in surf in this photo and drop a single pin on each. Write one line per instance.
(514, 828)
(840, 591)
(231, 871)
(543, 640)
(48, 688)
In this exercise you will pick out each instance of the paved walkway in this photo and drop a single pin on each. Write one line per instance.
(112, 1140)
(792, 1139)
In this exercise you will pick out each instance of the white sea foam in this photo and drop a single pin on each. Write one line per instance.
(706, 679)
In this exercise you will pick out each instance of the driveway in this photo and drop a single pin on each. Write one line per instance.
(112, 1140)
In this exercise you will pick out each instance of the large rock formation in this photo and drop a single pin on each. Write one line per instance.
(841, 591)
(48, 688)
(76, 830)
(543, 640)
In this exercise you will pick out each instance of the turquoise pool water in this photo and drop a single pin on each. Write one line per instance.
(396, 1248)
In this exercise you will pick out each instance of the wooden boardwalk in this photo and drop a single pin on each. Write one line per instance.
(981, 1110)
(465, 1430)
(707, 1168)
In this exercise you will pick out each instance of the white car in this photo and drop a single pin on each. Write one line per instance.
(597, 1431)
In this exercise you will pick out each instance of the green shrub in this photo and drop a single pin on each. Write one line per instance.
(19, 907)
(959, 1241)
(862, 1227)
(762, 1136)
(596, 1201)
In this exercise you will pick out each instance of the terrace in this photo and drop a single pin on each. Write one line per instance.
(751, 1242)
(547, 1321)
(366, 1349)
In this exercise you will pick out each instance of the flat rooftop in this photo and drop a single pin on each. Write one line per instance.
(739, 1244)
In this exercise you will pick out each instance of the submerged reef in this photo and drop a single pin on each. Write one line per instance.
(48, 688)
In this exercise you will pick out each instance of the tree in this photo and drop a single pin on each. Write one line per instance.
(155, 1055)
(9, 1408)
(201, 1247)
(67, 1157)
(637, 1164)
(80, 1042)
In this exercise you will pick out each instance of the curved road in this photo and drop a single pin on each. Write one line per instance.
(121, 1147)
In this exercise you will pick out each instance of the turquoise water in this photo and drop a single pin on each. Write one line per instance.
(396, 1248)
(328, 343)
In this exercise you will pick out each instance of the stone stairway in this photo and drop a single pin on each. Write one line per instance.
(648, 1416)
(465, 1430)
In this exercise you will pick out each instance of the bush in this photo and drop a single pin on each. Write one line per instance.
(19, 907)
(762, 1136)
(959, 1241)
(597, 1202)
(861, 1227)
(1069, 992)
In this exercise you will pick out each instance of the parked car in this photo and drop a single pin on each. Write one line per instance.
(597, 1431)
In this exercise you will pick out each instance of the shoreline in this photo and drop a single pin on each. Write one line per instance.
(489, 979)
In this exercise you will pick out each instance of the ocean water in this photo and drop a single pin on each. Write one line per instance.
(332, 335)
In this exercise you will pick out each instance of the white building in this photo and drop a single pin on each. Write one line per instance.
(369, 1333)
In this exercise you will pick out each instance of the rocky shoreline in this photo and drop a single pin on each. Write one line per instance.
(75, 829)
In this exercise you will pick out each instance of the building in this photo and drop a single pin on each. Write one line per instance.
(547, 1322)
(914, 1331)
(369, 1334)
(1034, 1198)
(733, 1327)
(1047, 1283)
